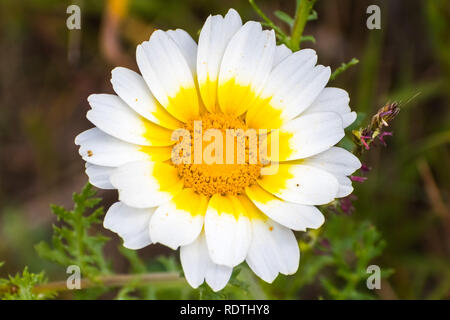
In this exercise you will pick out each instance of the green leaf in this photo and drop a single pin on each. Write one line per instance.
(71, 242)
(313, 15)
(283, 16)
(169, 263)
(58, 256)
(234, 281)
(353, 246)
(281, 36)
(20, 286)
(343, 67)
(308, 38)
(137, 265)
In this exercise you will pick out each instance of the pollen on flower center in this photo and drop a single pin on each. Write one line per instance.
(223, 176)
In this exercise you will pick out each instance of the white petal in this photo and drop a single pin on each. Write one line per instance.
(308, 135)
(145, 184)
(228, 232)
(130, 224)
(102, 149)
(168, 75)
(335, 160)
(111, 115)
(217, 276)
(335, 100)
(345, 186)
(281, 53)
(179, 221)
(131, 87)
(301, 184)
(289, 214)
(187, 46)
(214, 37)
(194, 260)
(246, 65)
(99, 176)
(198, 266)
(291, 87)
(308, 89)
(340, 163)
(273, 250)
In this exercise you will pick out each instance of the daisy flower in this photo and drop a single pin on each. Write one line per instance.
(219, 214)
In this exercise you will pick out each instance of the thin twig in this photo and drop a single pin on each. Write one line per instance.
(434, 196)
(116, 280)
(432, 190)
(386, 292)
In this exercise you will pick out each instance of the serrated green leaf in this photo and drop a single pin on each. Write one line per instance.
(57, 256)
(71, 242)
(22, 285)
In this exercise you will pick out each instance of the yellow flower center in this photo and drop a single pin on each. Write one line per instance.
(222, 176)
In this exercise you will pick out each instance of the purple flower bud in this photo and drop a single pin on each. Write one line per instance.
(364, 141)
(324, 247)
(358, 178)
(382, 135)
(347, 205)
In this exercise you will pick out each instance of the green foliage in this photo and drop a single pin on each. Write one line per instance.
(135, 289)
(353, 246)
(71, 242)
(294, 39)
(313, 15)
(235, 288)
(286, 18)
(20, 286)
(308, 38)
(137, 266)
(281, 36)
(136, 263)
(343, 67)
(335, 261)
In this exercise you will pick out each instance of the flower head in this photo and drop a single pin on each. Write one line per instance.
(220, 149)
(364, 137)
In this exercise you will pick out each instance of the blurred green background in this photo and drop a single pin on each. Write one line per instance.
(47, 72)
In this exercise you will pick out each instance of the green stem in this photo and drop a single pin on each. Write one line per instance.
(80, 236)
(268, 22)
(302, 12)
(115, 280)
(343, 67)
